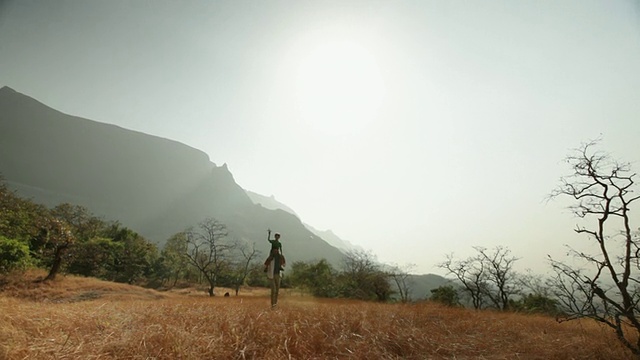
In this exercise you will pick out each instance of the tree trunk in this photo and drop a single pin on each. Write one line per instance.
(212, 285)
(212, 279)
(57, 262)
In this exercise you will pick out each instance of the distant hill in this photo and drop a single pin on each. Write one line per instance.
(269, 202)
(334, 240)
(423, 284)
(153, 185)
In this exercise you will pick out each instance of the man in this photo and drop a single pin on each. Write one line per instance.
(273, 266)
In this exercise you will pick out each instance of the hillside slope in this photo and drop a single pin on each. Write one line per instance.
(153, 185)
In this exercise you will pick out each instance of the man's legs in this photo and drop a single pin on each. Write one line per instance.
(266, 262)
(275, 288)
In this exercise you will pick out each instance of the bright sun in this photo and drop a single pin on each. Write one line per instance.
(339, 88)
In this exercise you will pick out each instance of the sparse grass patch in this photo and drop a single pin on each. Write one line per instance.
(244, 327)
(29, 286)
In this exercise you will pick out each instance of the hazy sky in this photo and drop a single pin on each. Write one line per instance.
(411, 128)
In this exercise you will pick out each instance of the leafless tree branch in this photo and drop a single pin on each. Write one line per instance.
(607, 291)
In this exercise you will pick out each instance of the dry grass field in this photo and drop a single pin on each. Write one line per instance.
(80, 318)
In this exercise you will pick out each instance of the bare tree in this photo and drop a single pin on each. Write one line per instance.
(604, 285)
(208, 250)
(500, 274)
(472, 276)
(535, 284)
(488, 275)
(402, 278)
(242, 264)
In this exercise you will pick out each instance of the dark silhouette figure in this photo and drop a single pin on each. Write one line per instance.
(276, 251)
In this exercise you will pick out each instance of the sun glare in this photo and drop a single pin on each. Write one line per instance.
(339, 88)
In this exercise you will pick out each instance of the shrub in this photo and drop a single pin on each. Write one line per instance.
(447, 295)
(14, 254)
(536, 303)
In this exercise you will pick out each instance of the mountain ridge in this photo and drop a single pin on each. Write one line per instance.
(329, 236)
(153, 185)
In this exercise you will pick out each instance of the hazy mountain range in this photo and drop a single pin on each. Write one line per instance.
(155, 186)
(270, 202)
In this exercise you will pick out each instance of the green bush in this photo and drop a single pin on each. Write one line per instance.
(95, 258)
(447, 295)
(14, 254)
(318, 277)
(536, 303)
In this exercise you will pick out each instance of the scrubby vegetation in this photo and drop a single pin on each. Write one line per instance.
(71, 240)
(82, 318)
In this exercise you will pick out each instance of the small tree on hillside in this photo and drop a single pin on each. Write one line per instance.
(607, 288)
(208, 250)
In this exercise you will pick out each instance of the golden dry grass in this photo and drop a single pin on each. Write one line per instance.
(127, 322)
